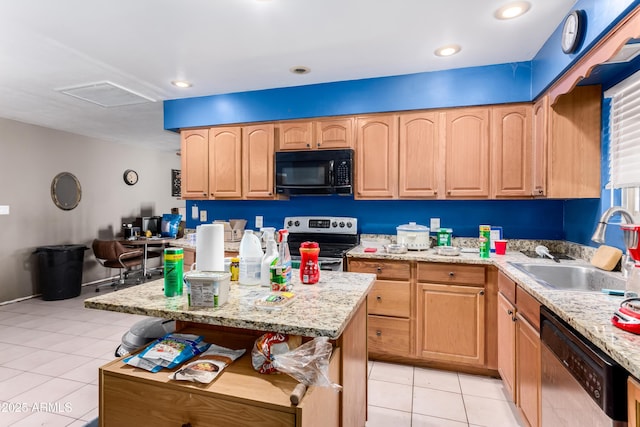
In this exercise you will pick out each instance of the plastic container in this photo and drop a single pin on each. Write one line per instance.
(60, 271)
(413, 236)
(281, 271)
(173, 265)
(444, 236)
(632, 287)
(250, 259)
(270, 257)
(485, 241)
(309, 268)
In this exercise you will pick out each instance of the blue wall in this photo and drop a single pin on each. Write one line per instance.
(525, 219)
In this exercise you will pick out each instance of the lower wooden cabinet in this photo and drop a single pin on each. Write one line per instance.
(507, 344)
(528, 371)
(451, 323)
(633, 402)
(388, 335)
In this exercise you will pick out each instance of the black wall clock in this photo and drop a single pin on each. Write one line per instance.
(130, 177)
(572, 31)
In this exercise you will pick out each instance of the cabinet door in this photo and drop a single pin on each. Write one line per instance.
(633, 402)
(467, 152)
(511, 150)
(377, 157)
(528, 370)
(451, 323)
(257, 161)
(225, 162)
(507, 344)
(540, 138)
(334, 133)
(418, 155)
(194, 159)
(295, 135)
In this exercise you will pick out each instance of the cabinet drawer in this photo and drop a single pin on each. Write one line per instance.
(390, 298)
(451, 273)
(387, 335)
(507, 287)
(528, 307)
(398, 270)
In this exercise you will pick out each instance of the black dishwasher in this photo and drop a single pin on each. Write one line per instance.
(581, 385)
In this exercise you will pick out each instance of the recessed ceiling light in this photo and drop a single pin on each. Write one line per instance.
(183, 84)
(448, 50)
(300, 69)
(512, 10)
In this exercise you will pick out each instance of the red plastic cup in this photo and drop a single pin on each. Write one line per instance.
(501, 247)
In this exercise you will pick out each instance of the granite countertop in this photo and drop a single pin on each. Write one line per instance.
(228, 246)
(588, 312)
(323, 309)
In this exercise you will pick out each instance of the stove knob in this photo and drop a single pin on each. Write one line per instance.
(289, 223)
(297, 223)
(334, 224)
(349, 225)
(341, 224)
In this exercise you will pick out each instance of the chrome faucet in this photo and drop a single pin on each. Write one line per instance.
(598, 235)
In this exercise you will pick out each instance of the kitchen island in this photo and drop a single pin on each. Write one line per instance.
(333, 308)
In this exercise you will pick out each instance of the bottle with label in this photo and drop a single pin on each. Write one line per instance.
(309, 269)
(485, 241)
(250, 259)
(281, 269)
(173, 264)
(270, 256)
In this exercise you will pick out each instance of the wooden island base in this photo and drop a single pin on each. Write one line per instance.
(239, 396)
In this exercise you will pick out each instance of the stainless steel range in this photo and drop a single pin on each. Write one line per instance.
(335, 234)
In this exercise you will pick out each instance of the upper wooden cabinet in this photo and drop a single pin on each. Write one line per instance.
(225, 162)
(419, 155)
(257, 161)
(376, 157)
(315, 135)
(511, 151)
(467, 152)
(539, 157)
(194, 159)
(573, 146)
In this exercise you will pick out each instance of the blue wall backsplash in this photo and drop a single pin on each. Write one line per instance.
(520, 219)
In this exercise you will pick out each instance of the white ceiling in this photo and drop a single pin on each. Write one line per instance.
(225, 46)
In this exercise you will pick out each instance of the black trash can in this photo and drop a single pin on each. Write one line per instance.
(60, 271)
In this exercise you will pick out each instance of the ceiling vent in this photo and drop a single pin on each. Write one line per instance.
(626, 54)
(106, 94)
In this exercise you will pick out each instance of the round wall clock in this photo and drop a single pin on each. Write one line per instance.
(572, 31)
(130, 177)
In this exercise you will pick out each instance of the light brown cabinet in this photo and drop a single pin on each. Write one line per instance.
(451, 313)
(511, 151)
(519, 347)
(572, 143)
(418, 151)
(225, 162)
(257, 161)
(539, 147)
(388, 306)
(633, 402)
(376, 157)
(194, 159)
(315, 135)
(467, 153)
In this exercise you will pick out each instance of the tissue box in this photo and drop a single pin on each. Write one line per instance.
(207, 288)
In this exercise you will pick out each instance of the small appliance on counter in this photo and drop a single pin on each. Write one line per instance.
(142, 333)
(414, 236)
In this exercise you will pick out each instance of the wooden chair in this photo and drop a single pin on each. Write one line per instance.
(112, 254)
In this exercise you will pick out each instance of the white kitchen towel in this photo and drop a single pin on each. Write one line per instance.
(210, 247)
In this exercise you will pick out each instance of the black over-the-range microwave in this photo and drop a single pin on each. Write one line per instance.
(314, 172)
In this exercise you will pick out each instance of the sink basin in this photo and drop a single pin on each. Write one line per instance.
(570, 277)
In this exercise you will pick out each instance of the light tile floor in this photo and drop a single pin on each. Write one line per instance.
(50, 352)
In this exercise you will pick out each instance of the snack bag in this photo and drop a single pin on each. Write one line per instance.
(208, 365)
(270, 345)
(168, 352)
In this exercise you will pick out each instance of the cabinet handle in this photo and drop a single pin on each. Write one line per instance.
(378, 298)
(308, 145)
(319, 144)
(481, 292)
(379, 269)
(514, 319)
(451, 274)
(509, 312)
(186, 425)
(204, 194)
(269, 193)
(378, 333)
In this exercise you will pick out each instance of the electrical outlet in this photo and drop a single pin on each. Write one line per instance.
(203, 216)
(4, 210)
(434, 224)
(258, 221)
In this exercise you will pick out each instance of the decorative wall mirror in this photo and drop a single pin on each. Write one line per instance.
(65, 191)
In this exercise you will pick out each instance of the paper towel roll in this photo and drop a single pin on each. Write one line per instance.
(210, 247)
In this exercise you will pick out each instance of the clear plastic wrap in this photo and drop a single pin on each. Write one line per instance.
(308, 363)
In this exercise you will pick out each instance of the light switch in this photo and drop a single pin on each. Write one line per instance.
(203, 216)
(4, 210)
(258, 221)
(194, 212)
(434, 224)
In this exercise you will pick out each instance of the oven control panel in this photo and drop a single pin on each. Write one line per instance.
(321, 224)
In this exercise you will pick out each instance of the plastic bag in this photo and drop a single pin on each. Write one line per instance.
(168, 352)
(169, 225)
(206, 367)
(268, 346)
(309, 363)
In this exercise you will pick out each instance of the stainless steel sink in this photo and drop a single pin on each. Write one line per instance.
(570, 277)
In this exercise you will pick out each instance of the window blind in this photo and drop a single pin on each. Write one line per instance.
(624, 131)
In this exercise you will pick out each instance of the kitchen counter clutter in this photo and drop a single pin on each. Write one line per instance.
(588, 312)
(334, 308)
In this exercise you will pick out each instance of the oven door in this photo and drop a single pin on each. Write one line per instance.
(325, 263)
